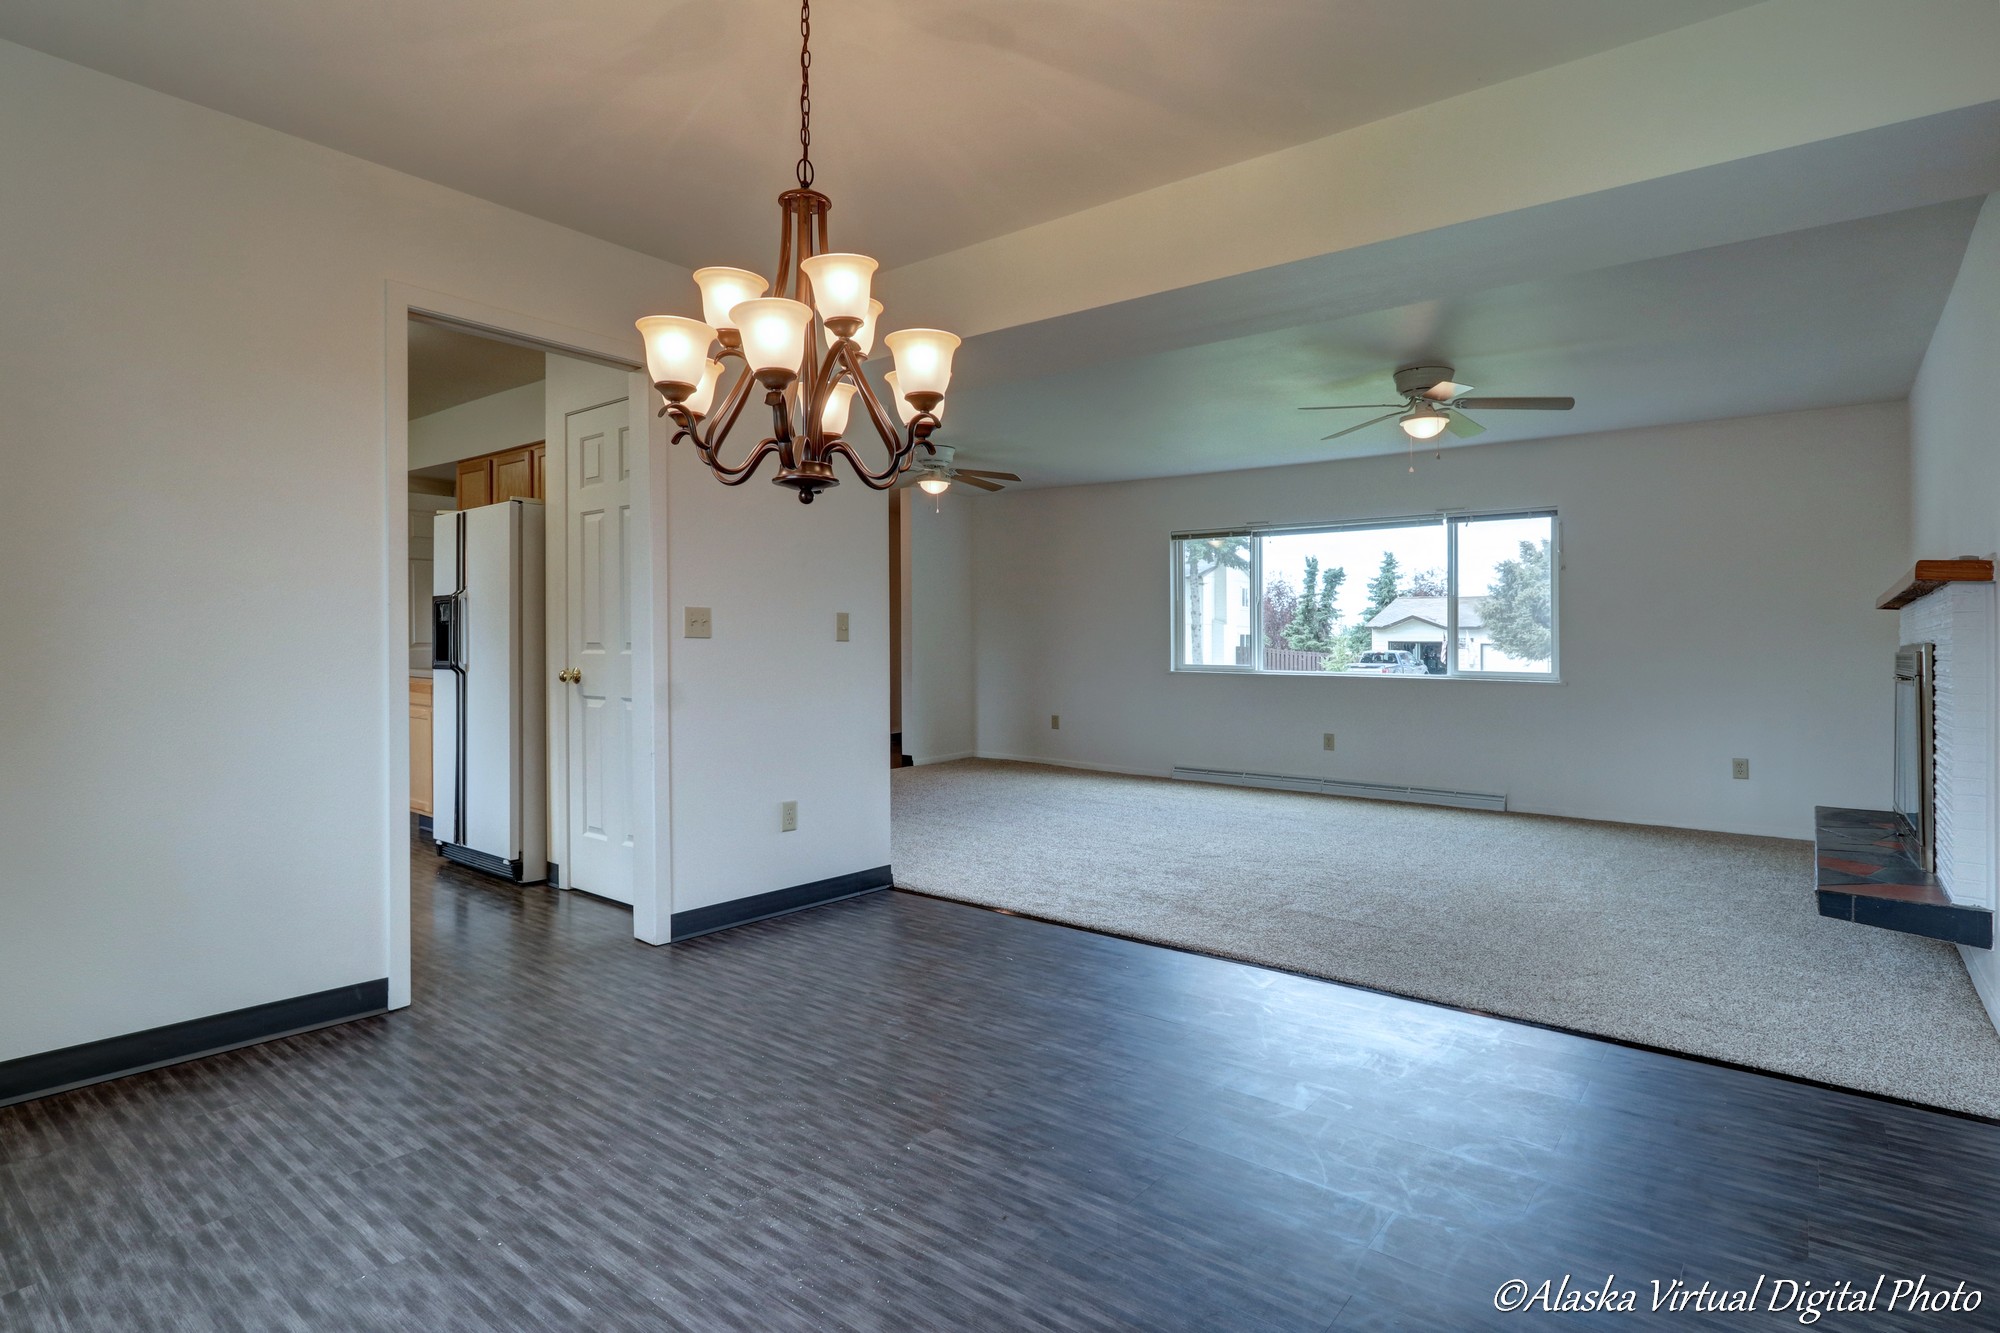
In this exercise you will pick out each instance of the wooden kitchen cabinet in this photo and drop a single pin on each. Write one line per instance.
(420, 745)
(475, 483)
(511, 474)
(514, 475)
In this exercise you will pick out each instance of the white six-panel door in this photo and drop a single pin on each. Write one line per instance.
(599, 535)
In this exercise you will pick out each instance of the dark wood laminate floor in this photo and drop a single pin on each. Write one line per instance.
(901, 1113)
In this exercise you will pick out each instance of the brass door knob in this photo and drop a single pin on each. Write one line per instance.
(570, 676)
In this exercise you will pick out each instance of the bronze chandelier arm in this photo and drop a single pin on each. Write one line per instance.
(814, 390)
(874, 481)
(687, 427)
(900, 444)
(736, 476)
(723, 421)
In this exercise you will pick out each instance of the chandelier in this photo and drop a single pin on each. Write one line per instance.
(802, 346)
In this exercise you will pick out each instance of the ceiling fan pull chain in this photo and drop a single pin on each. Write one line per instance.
(805, 95)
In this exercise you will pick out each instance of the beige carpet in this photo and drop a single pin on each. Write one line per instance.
(1700, 942)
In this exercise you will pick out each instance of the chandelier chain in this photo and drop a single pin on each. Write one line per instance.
(805, 95)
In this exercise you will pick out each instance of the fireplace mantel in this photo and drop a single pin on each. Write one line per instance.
(1927, 576)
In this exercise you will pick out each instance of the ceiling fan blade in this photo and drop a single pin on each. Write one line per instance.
(990, 476)
(975, 481)
(1346, 407)
(1461, 424)
(1373, 421)
(1445, 390)
(1518, 404)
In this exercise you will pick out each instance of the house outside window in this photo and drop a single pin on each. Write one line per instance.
(1449, 596)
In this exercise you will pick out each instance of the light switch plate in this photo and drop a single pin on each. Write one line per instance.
(697, 623)
(788, 817)
(1326, 740)
(840, 627)
(1055, 721)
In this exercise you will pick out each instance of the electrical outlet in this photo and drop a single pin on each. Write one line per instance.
(1055, 721)
(1739, 768)
(697, 623)
(788, 817)
(840, 627)
(1326, 741)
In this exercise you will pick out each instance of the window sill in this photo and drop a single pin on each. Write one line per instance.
(1486, 677)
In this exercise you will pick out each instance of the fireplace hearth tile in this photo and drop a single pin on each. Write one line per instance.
(1870, 874)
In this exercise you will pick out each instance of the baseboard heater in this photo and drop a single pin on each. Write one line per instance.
(1377, 791)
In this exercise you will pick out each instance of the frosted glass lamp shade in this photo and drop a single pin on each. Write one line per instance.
(723, 289)
(923, 362)
(934, 485)
(703, 396)
(833, 416)
(774, 336)
(864, 337)
(676, 351)
(903, 408)
(1423, 423)
(840, 285)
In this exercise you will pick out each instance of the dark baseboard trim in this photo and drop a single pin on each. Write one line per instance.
(34, 1076)
(741, 912)
(421, 825)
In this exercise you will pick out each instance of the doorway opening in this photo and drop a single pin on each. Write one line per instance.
(524, 597)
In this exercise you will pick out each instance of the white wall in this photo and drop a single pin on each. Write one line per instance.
(1954, 430)
(1717, 590)
(504, 420)
(939, 704)
(771, 708)
(1955, 450)
(199, 814)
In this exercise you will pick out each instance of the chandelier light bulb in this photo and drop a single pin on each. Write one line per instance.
(923, 362)
(774, 337)
(833, 417)
(676, 353)
(840, 288)
(864, 337)
(903, 408)
(934, 485)
(723, 289)
(703, 396)
(1423, 423)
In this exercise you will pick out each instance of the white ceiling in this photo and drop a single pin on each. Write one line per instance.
(1832, 315)
(671, 127)
(449, 367)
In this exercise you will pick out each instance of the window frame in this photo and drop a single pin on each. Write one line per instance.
(1176, 567)
(1450, 519)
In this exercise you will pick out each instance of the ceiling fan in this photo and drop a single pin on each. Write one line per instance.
(1431, 403)
(935, 475)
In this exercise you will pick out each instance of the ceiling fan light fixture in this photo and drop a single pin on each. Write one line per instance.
(934, 485)
(1423, 422)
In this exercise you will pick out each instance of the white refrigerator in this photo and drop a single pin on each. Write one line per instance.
(489, 757)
